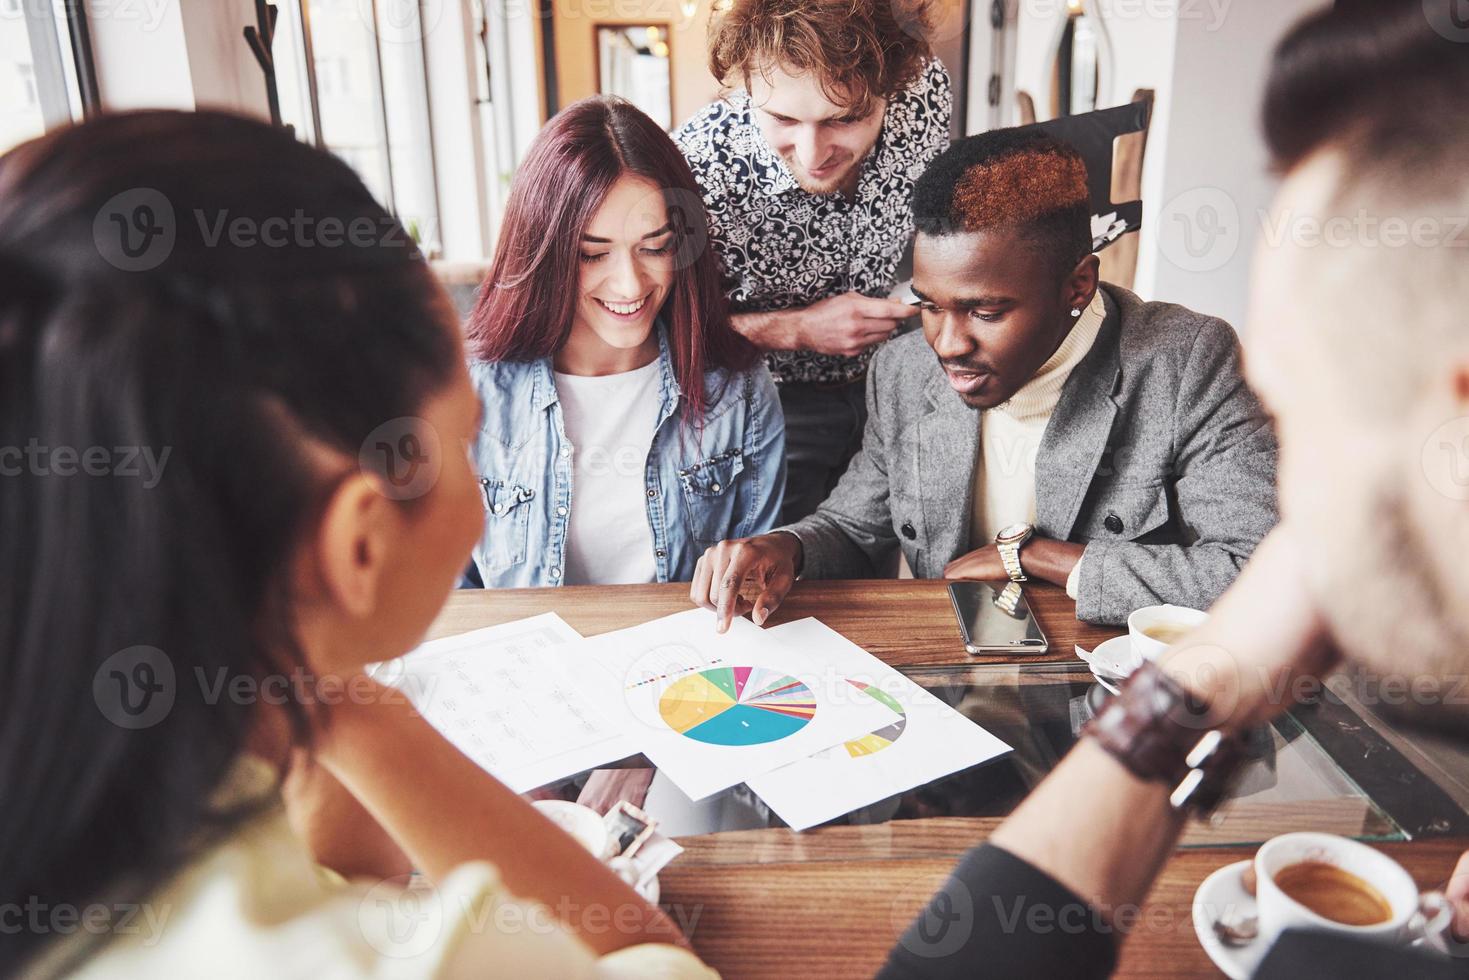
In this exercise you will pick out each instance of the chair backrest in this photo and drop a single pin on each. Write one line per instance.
(1094, 135)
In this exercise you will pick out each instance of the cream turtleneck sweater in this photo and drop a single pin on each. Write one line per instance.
(1010, 436)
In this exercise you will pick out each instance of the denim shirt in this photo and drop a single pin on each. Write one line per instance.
(725, 480)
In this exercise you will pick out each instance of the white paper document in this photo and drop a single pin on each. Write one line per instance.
(919, 740)
(503, 697)
(713, 710)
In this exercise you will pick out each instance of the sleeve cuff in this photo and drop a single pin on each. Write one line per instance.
(1073, 581)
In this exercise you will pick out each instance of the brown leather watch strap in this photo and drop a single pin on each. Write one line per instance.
(1162, 733)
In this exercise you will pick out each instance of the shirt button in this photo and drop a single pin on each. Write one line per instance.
(566, 450)
(555, 572)
(1113, 523)
(561, 511)
(908, 531)
(716, 488)
(499, 508)
(652, 493)
(661, 553)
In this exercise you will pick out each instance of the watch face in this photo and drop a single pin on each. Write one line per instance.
(1012, 532)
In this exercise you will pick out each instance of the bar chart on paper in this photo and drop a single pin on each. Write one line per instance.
(737, 706)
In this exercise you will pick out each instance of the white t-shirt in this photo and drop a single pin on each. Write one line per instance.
(610, 421)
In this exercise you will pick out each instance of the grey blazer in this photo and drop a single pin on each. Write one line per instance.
(1157, 457)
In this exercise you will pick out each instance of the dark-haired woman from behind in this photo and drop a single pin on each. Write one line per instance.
(628, 426)
(170, 644)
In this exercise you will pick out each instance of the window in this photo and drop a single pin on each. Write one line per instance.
(38, 74)
(352, 79)
(30, 96)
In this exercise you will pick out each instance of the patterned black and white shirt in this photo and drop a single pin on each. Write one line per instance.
(782, 247)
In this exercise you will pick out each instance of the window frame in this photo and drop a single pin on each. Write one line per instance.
(379, 100)
(58, 91)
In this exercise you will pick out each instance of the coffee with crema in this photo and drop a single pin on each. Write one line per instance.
(1333, 893)
(1169, 633)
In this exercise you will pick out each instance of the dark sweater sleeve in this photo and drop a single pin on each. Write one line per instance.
(998, 916)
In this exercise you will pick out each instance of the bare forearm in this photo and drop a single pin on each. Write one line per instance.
(779, 330)
(444, 810)
(1096, 828)
(1049, 560)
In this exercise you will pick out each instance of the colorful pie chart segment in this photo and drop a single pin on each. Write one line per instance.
(881, 738)
(737, 706)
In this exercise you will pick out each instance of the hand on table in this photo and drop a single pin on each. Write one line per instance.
(981, 564)
(767, 564)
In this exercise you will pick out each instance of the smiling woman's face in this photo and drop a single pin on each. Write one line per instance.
(627, 270)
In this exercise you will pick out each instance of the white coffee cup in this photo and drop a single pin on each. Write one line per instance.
(1145, 647)
(1414, 916)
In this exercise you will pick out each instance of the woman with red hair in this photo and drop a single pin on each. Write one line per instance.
(627, 425)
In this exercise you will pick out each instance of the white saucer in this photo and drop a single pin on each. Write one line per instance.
(1222, 893)
(1111, 662)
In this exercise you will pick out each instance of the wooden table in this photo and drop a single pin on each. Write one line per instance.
(904, 622)
(819, 914)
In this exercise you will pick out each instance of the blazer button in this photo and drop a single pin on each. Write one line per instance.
(908, 531)
(1113, 523)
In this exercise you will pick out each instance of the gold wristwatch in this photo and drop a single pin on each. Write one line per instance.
(1008, 541)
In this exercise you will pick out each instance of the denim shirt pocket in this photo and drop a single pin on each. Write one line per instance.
(709, 494)
(507, 523)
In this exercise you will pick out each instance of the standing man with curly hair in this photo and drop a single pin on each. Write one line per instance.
(807, 165)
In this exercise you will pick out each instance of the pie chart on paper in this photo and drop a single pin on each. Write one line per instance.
(737, 706)
(878, 739)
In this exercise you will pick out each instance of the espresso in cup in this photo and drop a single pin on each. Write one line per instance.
(1154, 629)
(1327, 883)
(1333, 893)
(1168, 633)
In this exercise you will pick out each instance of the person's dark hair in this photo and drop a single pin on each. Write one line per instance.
(1380, 75)
(235, 357)
(1015, 179)
(528, 300)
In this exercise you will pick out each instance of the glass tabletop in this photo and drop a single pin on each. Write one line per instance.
(1309, 767)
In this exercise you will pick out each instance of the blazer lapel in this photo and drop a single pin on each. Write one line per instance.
(1076, 437)
(948, 446)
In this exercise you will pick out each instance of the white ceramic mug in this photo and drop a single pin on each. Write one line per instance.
(1145, 647)
(1414, 916)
